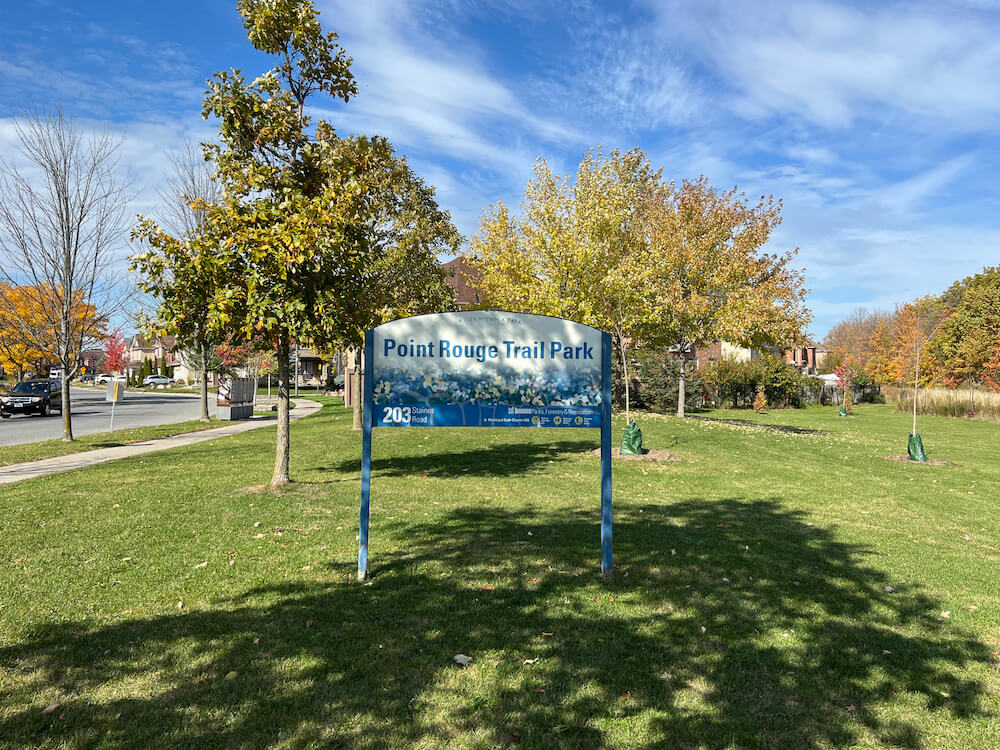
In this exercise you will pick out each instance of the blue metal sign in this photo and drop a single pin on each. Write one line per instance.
(487, 369)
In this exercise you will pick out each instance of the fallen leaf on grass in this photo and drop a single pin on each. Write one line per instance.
(487, 587)
(852, 708)
(946, 614)
(201, 565)
(539, 690)
(309, 623)
(256, 640)
(50, 708)
(534, 580)
(627, 695)
(888, 589)
(462, 660)
(531, 661)
(515, 735)
(232, 675)
(796, 583)
(546, 635)
(886, 651)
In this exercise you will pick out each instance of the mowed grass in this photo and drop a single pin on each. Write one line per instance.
(15, 454)
(783, 586)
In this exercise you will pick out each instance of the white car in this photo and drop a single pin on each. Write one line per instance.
(103, 378)
(157, 380)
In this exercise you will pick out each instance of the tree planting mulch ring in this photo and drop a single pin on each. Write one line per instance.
(651, 454)
(929, 462)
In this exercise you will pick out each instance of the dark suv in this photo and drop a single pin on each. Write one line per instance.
(32, 397)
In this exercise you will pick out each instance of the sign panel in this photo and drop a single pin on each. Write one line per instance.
(486, 369)
(116, 391)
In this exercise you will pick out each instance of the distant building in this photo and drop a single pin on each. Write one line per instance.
(458, 274)
(140, 349)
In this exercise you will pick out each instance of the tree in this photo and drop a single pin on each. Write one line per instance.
(114, 352)
(880, 353)
(170, 271)
(851, 339)
(709, 278)
(61, 219)
(290, 252)
(578, 250)
(16, 353)
(971, 331)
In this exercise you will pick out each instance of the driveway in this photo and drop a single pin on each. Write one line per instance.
(92, 414)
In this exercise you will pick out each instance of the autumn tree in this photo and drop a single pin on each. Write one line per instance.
(115, 356)
(621, 250)
(16, 353)
(171, 272)
(290, 251)
(968, 338)
(850, 340)
(61, 221)
(879, 361)
(710, 278)
(579, 248)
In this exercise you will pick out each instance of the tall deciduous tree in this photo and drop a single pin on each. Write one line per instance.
(292, 250)
(648, 261)
(171, 271)
(579, 249)
(16, 353)
(711, 279)
(968, 337)
(61, 222)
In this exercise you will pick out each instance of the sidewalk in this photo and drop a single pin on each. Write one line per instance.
(33, 469)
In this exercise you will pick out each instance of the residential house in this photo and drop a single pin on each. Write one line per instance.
(140, 348)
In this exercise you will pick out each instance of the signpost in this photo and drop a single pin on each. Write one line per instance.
(115, 393)
(487, 369)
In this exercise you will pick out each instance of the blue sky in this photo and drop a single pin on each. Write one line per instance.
(876, 123)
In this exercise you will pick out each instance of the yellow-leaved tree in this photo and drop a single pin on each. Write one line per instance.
(620, 249)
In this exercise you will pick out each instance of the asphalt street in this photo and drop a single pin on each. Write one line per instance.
(92, 414)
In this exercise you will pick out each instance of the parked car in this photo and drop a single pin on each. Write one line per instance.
(157, 380)
(41, 396)
(103, 378)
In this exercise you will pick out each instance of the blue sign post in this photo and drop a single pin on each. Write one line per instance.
(487, 369)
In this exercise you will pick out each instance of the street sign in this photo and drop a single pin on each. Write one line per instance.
(116, 393)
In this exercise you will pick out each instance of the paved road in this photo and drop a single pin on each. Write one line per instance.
(91, 414)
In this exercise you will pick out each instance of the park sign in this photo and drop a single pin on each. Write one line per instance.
(487, 369)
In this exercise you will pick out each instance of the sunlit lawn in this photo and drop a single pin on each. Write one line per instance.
(782, 586)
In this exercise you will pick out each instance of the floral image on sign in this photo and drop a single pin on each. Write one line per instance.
(486, 369)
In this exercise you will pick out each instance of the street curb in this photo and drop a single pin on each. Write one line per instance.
(59, 464)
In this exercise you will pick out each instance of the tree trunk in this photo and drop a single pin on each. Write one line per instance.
(281, 457)
(621, 345)
(203, 374)
(358, 399)
(681, 385)
(66, 411)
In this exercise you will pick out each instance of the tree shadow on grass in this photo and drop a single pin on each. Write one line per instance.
(499, 460)
(761, 631)
(772, 427)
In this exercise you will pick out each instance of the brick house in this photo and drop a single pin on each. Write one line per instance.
(458, 274)
(140, 349)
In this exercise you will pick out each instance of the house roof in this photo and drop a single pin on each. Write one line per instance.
(139, 341)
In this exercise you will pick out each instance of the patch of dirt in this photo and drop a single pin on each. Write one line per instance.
(929, 462)
(648, 454)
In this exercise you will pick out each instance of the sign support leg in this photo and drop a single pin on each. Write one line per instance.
(112, 416)
(366, 460)
(606, 556)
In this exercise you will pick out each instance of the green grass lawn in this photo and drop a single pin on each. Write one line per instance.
(15, 454)
(782, 586)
